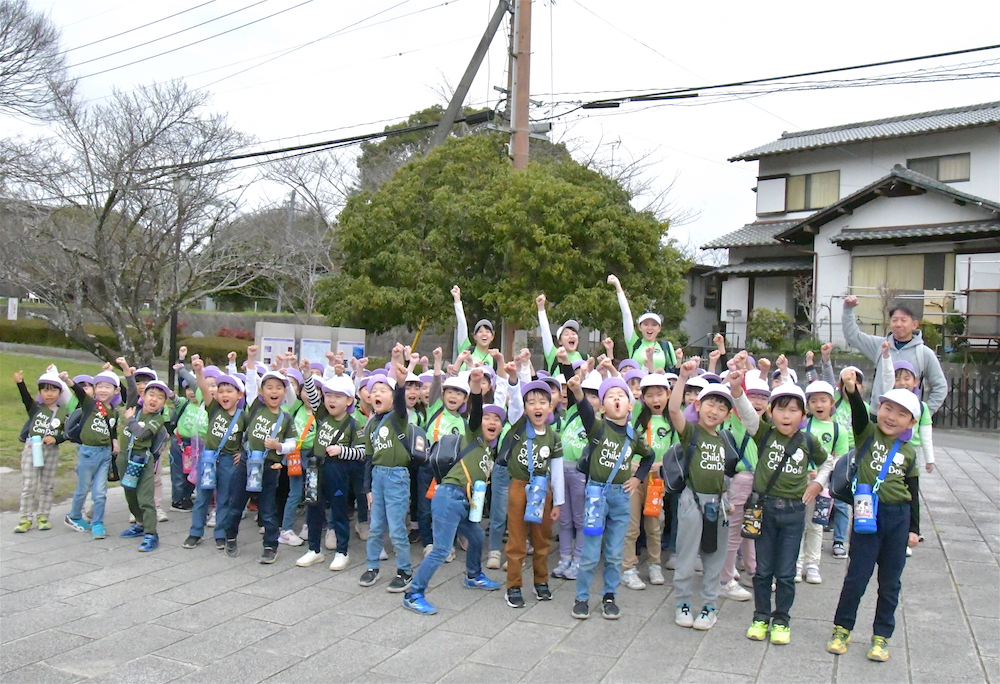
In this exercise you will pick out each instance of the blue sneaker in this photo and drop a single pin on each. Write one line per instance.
(150, 543)
(418, 604)
(559, 571)
(134, 531)
(481, 581)
(78, 524)
(97, 531)
(572, 571)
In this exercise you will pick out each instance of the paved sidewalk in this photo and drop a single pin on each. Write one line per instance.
(73, 609)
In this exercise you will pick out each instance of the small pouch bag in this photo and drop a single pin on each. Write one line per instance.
(255, 463)
(753, 511)
(133, 469)
(537, 487)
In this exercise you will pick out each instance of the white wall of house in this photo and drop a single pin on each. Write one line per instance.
(699, 322)
(735, 293)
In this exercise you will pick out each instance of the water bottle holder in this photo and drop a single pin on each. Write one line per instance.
(255, 471)
(865, 510)
(132, 472)
(535, 492)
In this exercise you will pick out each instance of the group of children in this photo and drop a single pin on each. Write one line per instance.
(707, 466)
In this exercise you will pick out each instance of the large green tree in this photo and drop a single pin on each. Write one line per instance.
(463, 216)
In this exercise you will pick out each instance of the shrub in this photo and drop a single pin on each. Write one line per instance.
(215, 350)
(236, 333)
(931, 334)
(769, 327)
(33, 331)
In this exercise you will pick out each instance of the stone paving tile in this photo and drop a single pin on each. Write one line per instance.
(210, 612)
(145, 670)
(101, 656)
(343, 661)
(489, 616)
(529, 641)
(591, 637)
(987, 631)
(992, 666)
(481, 674)
(250, 664)
(36, 648)
(314, 634)
(695, 676)
(569, 666)
(40, 576)
(298, 606)
(31, 599)
(39, 619)
(122, 617)
(218, 642)
(40, 673)
(398, 628)
(127, 591)
(430, 657)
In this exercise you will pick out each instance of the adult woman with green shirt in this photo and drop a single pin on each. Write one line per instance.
(650, 325)
(567, 337)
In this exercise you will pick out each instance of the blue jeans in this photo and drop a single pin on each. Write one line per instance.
(267, 507)
(293, 501)
(782, 525)
(91, 475)
(450, 510)
(334, 481)
(668, 542)
(354, 472)
(841, 518)
(616, 520)
(424, 477)
(390, 502)
(500, 484)
(227, 484)
(887, 548)
(180, 488)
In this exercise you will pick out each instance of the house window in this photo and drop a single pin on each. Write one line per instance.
(950, 168)
(812, 191)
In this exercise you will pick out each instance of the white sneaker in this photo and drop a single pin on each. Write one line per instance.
(362, 529)
(330, 540)
(290, 538)
(428, 549)
(705, 620)
(671, 562)
(630, 578)
(909, 551)
(734, 592)
(383, 554)
(211, 519)
(798, 572)
(464, 543)
(304, 532)
(311, 558)
(530, 549)
(340, 561)
(740, 564)
(451, 555)
(161, 515)
(812, 574)
(493, 560)
(656, 575)
(683, 616)
(131, 518)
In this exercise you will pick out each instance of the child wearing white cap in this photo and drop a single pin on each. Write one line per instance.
(650, 325)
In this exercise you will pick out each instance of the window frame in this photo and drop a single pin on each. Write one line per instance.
(807, 204)
(937, 166)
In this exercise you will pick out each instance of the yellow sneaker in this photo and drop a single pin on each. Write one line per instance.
(838, 642)
(780, 634)
(24, 525)
(879, 651)
(757, 631)
(43, 522)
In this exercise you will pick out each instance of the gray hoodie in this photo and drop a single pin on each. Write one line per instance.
(915, 351)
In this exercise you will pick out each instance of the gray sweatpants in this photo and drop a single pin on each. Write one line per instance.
(689, 548)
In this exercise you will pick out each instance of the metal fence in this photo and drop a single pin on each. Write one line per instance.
(972, 402)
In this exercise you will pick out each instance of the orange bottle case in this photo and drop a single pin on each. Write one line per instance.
(431, 489)
(654, 497)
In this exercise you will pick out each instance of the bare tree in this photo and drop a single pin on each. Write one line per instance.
(802, 293)
(32, 69)
(101, 220)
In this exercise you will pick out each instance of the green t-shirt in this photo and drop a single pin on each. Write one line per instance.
(218, 423)
(794, 477)
(842, 414)
(152, 422)
(544, 448)
(441, 422)
(300, 418)
(904, 464)
(660, 360)
(72, 404)
(925, 419)
(832, 437)
(659, 435)
(94, 431)
(478, 462)
(193, 420)
(330, 431)
(573, 437)
(604, 456)
(381, 440)
(708, 461)
(739, 432)
(553, 365)
(48, 423)
(261, 424)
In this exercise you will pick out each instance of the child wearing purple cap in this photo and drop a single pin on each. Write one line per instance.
(305, 434)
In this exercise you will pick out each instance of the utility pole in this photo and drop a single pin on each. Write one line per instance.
(522, 83)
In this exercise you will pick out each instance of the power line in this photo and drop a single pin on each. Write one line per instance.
(167, 52)
(131, 30)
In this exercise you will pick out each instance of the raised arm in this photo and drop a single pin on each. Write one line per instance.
(133, 390)
(461, 324)
(866, 344)
(859, 412)
(201, 382)
(26, 398)
(475, 399)
(252, 378)
(544, 330)
(886, 375)
(826, 365)
(688, 370)
(744, 409)
(628, 325)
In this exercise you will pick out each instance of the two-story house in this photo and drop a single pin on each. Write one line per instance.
(903, 208)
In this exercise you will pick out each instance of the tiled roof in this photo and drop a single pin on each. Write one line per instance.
(966, 231)
(765, 267)
(751, 235)
(894, 127)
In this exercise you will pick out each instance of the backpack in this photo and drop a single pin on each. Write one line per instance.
(675, 467)
(412, 437)
(845, 471)
(668, 352)
(446, 452)
(74, 424)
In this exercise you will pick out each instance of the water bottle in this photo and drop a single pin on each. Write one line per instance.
(130, 480)
(478, 501)
(534, 494)
(37, 454)
(255, 471)
(653, 506)
(187, 459)
(824, 505)
(207, 480)
(593, 510)
(711, 511)
(310, 485)
(865, 509)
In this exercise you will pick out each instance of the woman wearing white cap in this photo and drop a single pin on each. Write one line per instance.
(567, 337)
(483, 333)
(650, 324)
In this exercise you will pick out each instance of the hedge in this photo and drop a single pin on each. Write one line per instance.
(31, 331)
(215, 350)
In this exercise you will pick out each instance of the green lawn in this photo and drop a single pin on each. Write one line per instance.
(12, 417)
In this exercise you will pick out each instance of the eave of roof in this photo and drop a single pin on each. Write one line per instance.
(765, 267)
(926, 233)
(756, 234)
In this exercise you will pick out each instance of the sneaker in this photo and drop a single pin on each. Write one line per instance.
(310, 558)
(131, 519)
(839, 552)
(269, 555)
(798, 572)
(909, 552)
(413, 536)
(542, 592)
(304, 531)
(418, 604)
(330, 540)
(161, 515)
(581, 610)
(369, 577)
(399, 583)
(182, 505)
(740, 563)
(481, 581)
(211, 519)
(630, 578)
(879, 650)
(746, 580)
(44, 524)
(260, 530)
(671, 562)
(530, 549)
(513, 597)
(78, 524)
(383, 554)
(706, 619)
(493, 560)
(428, 549)
(133, 531)
(463, 543)
(23, 525)
(837, 644)
(812, 574)
(698, 565)
(220, 544)
(97, 531)
(780, 634)
(572, 571)
(451, 555)
(150, 542)
(609, 609)
(656, 575)
(289, 537)
(362, 529)
(757, 631)
(340, 561)
(191, 542)
(560, 569)
(683, 616)
(232, 548)
(734, 592)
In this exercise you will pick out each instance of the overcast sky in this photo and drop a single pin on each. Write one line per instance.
(342, 85)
